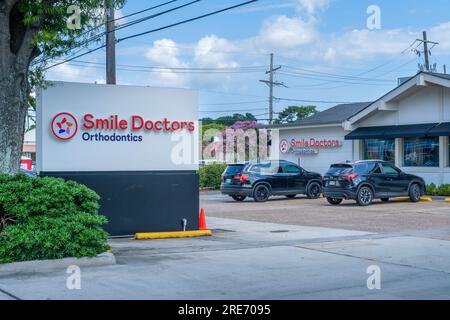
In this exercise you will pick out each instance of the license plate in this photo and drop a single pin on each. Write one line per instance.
(227, 180)
(333, 183)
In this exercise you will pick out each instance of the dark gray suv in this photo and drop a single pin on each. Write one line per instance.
(365, 181)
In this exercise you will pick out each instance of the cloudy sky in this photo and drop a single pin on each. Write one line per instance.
(325, 49)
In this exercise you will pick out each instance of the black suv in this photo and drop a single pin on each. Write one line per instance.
(365, 181)
(262, 180)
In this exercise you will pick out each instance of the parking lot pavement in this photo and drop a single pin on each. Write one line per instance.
(253, 260)
(379, 217)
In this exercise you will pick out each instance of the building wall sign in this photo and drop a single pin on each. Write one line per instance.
(308, 146)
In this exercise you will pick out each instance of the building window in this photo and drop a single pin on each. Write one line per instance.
(421, 152)
(375, 149)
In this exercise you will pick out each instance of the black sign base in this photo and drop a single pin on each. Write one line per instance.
(148, 201)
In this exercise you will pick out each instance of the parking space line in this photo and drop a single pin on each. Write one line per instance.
(9, 294)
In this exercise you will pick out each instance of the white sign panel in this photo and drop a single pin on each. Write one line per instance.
(90, 127)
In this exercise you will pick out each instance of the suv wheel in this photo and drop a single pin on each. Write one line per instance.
(414, 193)
(291, 196)
(261, 193)
(238, 198)
(314, 191)
(334, 201)
(364, 196)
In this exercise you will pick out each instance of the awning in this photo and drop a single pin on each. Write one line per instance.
(391, 132)
(368, 133)
(440, 130)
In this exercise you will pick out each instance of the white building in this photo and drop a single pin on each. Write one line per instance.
(409, 126)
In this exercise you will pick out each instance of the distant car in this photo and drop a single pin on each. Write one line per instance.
(260, 181)
(365, 181)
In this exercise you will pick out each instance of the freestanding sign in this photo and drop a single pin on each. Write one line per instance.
(136, 146)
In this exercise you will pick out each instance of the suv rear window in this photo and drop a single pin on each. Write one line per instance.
(338, 169)
(233, 169)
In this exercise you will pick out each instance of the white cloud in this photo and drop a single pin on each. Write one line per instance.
(211, 51)
(283, 32)
(312, 6)
(441, 34)
(165, 53)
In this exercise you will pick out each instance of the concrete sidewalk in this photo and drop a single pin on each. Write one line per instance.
(253, 260)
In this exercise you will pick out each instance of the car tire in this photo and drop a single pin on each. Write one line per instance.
(385, 199)
(365, 196)
(314, 190)
(334, 201)
(261, 193)
(414, 193)
(238, 198)
(291, 196)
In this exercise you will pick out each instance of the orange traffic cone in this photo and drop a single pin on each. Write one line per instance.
(202, 220)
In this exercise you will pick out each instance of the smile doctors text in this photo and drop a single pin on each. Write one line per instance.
(135, 124)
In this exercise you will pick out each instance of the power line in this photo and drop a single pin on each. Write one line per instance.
(237, 110)
(126, 25)
(313, 101)
(157, 68)
(332, 75)
(155, 30)
(188, 20)
(232, 103)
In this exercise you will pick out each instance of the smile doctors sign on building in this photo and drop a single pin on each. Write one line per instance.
(89, 127)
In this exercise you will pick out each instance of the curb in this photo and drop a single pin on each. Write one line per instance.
(60, 265)
(171, 235)
(423, 199)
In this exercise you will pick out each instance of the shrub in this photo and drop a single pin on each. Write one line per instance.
(442, 190)
(25, 197)
(431, 189)
(210, 175)
(48, 218)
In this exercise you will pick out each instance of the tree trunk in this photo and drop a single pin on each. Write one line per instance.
(15, 57)
(14, 90)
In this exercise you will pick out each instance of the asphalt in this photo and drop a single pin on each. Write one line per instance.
(257, 260)
(379, 217)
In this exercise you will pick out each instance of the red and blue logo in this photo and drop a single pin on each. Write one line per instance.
(64, 126)
(284, 146)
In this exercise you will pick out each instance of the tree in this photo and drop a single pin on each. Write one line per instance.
(32, 32)
(295, 113)
(229, 120)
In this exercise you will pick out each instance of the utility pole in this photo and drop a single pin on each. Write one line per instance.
(110, 43)
(271, 84)
(426, 50)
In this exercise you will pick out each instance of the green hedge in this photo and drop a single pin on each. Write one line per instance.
(210, 175)
(48, 218)
(442, 190)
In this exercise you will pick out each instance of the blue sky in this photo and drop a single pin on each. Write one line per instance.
(326, 51)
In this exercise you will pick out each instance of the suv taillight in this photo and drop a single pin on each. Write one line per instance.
(243, 178)
(350, 177)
